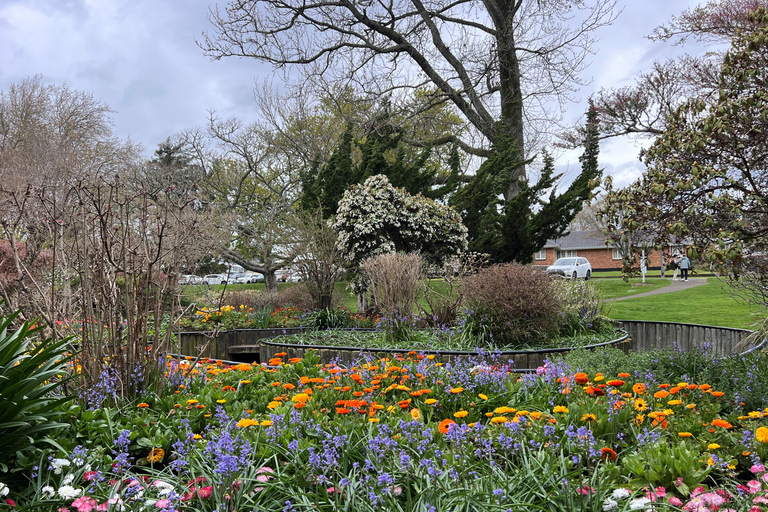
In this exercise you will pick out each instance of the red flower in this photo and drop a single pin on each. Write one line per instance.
(608, 454)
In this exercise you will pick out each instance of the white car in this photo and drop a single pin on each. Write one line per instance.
(215, 279)
(250, 277)
(190, 279)
(571, 268)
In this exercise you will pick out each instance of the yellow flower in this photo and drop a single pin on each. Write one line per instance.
(191, 402)
(504, 410)
(761, 434)
(266, 423)
(535, 415)
(247, 422)
(300, 397)
(589, 417)
(713, 446)
(675, 402)
(460, 414)
(499, 419)
(456, 391)
(482, 396)
(690, 406)
(560, 409)
(156, 455)
(684, 434)
(273, 405)
(373, 420)
(415, 414)
(430, 401)
(222, 401)
(245, 382)
(391, 408)
(640, 405)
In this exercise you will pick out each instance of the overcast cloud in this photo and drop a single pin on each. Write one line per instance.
(140, 58)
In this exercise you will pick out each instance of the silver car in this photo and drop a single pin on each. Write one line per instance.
(571, 268)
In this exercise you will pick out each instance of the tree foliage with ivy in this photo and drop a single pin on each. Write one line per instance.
(707, 177)
(514, 229)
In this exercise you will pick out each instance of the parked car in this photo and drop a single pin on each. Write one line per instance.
(190, 279)
(572, 268)
(215, 279)
(250, 277)
(283, 275)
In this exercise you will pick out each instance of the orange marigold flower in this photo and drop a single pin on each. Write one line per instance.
(460, 414)
(289, 386)
(615, 383)
(721, 423)
(664, 386)
(761, 434)
(581, 378)
(692, 386)
(415, 414)
(674, 390)
(343, 410)
(639, 388)
(704, 387)
(299, 405)
(608, 453)
(281, 354)
(684, 434)
(499, 419)
(624, 375)
(717, 393)
(661, 394)
(456, 390)
(560, 409)
(156, 455)
(246, 422)
(294, 360)
(142, 405)
(445, 425)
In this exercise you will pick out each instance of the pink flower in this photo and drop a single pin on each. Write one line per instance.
(586, 490)
(654, 494)
(205, 492)
(757, 468)
(62, 509)
(163, 504)
(10, 502)
(90, 475)
(675, 501)
(103, 507)
(84, 504)
(754, 486)
(762, 500)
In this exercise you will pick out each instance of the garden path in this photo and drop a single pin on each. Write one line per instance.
(674, 286)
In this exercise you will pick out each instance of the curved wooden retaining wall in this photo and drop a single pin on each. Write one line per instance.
(720, 341)
(249, 345)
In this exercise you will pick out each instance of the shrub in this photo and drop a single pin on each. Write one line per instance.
(393, 280)
(30, 377)
(296, 296)
(583, 309)
(518, 304)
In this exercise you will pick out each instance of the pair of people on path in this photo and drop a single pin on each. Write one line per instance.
(681, 263)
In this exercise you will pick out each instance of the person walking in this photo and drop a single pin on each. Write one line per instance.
(675, 262)
(684, 264)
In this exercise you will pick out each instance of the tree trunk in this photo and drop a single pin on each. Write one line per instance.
(511, 99)
(362, 301)
(271, 281)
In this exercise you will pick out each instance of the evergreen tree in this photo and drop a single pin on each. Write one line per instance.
(515, 229)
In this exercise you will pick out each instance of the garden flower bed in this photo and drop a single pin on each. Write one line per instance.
(405, 433)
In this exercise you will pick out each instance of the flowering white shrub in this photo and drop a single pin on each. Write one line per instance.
(377, 218)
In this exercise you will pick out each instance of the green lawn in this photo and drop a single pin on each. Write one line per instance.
(613, 288)
(709, 304)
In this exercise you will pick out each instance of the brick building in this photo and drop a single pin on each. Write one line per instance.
(591, 245)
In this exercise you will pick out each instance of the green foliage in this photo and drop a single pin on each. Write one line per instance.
(514, 229)
(380, 151)
(661, 464)
(328, 318)
(32, 372)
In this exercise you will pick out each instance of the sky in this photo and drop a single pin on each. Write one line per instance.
(140, 58)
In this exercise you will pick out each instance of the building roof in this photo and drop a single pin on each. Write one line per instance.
(579, 240)
(594, 239)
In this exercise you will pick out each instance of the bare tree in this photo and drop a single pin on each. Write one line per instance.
(493, 60)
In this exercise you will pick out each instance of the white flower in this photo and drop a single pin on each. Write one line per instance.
(4, 489)
(68, 479)
(48, 491)
(609, 504)
(68, 492)
(620, 494)
(639, 503)
(57, 464)
(164, 488)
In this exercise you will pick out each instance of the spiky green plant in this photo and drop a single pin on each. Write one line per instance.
(32, 372)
